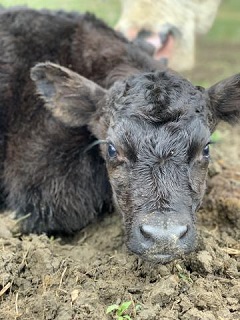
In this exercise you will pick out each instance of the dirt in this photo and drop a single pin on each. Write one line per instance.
(78, 278)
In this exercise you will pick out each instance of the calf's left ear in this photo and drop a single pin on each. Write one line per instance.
(225, 100)
(70, 97)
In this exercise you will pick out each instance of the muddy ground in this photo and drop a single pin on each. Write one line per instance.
(63, 279)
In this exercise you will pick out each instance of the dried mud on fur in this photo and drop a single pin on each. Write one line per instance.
(63, 279)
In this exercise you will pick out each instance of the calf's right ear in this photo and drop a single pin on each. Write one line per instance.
(70, 97)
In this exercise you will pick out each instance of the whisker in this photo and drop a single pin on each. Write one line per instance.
(93, 144)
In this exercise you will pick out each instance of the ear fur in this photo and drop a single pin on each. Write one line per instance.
(225, 100)
(70, 97)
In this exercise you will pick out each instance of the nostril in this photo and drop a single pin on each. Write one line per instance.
(145, 232)
(182, 231)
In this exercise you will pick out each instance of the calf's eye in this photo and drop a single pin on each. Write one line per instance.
(112, 152)
(205, 152)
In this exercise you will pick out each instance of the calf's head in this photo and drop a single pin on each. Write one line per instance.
(156, 128)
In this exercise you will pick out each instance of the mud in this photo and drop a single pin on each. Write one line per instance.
(78, 278)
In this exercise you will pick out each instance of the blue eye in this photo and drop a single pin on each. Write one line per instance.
(112, 152)
(205, 152)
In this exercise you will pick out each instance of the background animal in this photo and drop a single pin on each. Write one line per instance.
(170, 26)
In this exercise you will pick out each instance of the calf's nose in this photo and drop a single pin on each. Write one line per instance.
(162, 238)
(155, 233)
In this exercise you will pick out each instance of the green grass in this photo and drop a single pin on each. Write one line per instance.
(106, 9)
(227, 25)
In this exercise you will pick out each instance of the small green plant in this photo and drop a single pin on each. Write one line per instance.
(216, 136)
(118, 310)
(182, 274)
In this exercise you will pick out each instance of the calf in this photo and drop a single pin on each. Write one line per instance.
(143, 143)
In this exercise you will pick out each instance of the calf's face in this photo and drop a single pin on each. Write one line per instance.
(157, 157)
(156, 131)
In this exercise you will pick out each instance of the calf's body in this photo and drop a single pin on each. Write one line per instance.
(74, 146)
(51, 173)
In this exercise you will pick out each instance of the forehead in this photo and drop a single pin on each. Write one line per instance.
(157, 97)
(160, 104)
